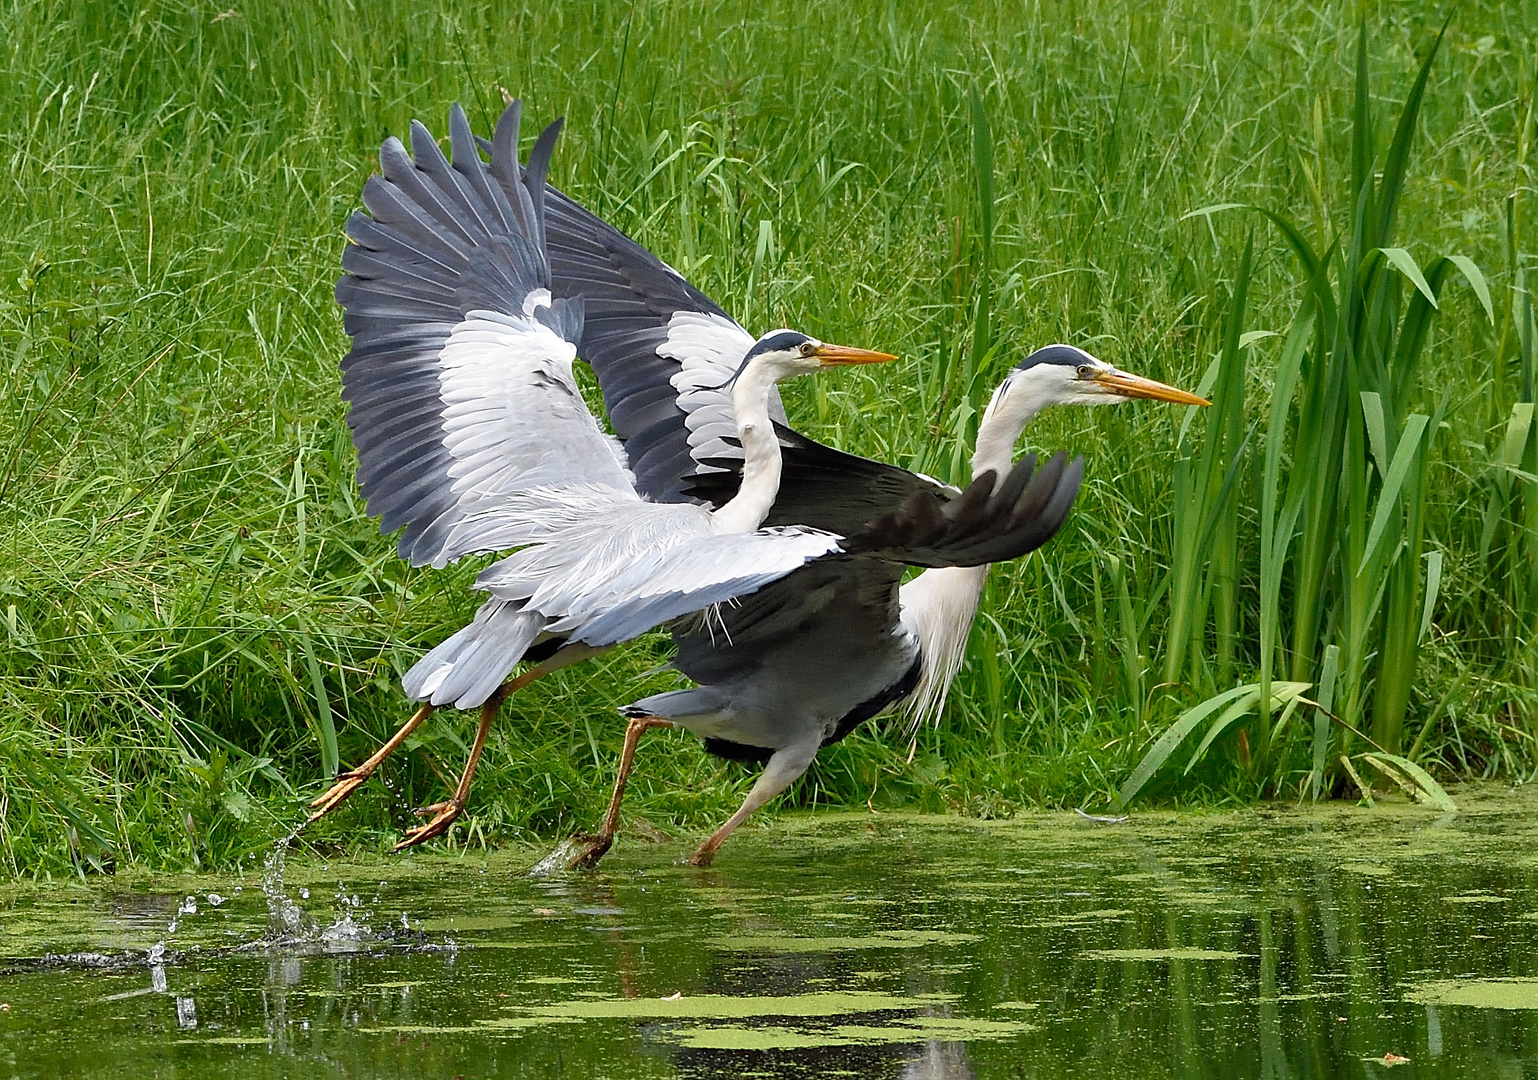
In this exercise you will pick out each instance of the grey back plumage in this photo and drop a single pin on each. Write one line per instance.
(850, 600)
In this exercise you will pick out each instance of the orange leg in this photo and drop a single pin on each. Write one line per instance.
(595, 847)
(785, 765)
(444, 813)
(353, 779)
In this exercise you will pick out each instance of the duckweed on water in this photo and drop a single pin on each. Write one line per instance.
(857, 964)
(734, 1037)
(1162, 954)
(881, 939)
(1478, 993)
(717, 1006)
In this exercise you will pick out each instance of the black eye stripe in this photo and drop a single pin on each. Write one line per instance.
(1062, 355)
(779, 341)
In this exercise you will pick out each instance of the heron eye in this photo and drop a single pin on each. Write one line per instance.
(1084, 371)
(808, 349)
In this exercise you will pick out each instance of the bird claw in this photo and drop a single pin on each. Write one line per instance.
(589, 850)
(702, 857)
(444, 814)
(345, 785)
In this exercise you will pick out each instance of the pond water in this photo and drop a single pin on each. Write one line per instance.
(1396, 941)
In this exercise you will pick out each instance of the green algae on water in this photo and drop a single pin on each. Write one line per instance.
(1162, 954)
(1367, 869)
(881, 939)
(754, 1038)
(1478, 993)
(726, 1007)
(913, 1029)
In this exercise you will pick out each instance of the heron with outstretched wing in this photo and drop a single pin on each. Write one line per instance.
(472, 436)
(810, 656)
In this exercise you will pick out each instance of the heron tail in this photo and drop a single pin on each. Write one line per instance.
(470, 665)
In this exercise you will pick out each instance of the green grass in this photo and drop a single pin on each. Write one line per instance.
(198, 620)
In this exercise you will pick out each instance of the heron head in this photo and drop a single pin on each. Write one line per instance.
(1066, 375)
(789, 352)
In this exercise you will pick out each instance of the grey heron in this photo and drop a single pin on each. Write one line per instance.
(757, 695)
(472, 434)
(806, 659)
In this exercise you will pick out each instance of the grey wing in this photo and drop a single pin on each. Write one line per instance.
(854, 593)
(988, 522)
(651, 339)
(658, 346)
(459, 378)
(824, 488)
(662, 350)
(848, 601)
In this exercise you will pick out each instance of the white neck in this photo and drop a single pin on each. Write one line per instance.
(1003, 421)
(761, 464)
(939, 605)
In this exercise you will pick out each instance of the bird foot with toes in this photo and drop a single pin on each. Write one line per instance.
(587, 851)
(345, 785)
(443, 815)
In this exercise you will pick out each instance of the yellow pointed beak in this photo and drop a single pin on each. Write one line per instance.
(841, 355)
(1129, 385)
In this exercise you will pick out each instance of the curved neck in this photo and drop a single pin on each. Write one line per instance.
(939, 605)
(1007, 414)
(761, 463)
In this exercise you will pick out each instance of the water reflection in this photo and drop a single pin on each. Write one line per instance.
(1340, 944)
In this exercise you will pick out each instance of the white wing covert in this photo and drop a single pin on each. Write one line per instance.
(602, 569)
(709, 348)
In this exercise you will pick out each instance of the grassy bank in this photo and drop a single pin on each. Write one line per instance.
(197, 616)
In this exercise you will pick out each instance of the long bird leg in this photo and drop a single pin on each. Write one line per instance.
(445, 812)
(595, 847)
(353, 779)
(788, 763)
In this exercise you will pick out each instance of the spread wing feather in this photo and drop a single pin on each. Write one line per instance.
(459, 380)
(855, 592)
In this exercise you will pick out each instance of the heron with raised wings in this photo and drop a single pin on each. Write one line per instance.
(806, 659)
(472, 434)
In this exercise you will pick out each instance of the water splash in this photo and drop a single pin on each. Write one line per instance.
(188, 906)
(344, 928)
(156, 959)
(286, 920)
(186, 1012)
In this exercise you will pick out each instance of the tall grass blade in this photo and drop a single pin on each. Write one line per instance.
(325, 733)
(1404, 262)
(1388, 499)
(1433, 792)
(1171, 738)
